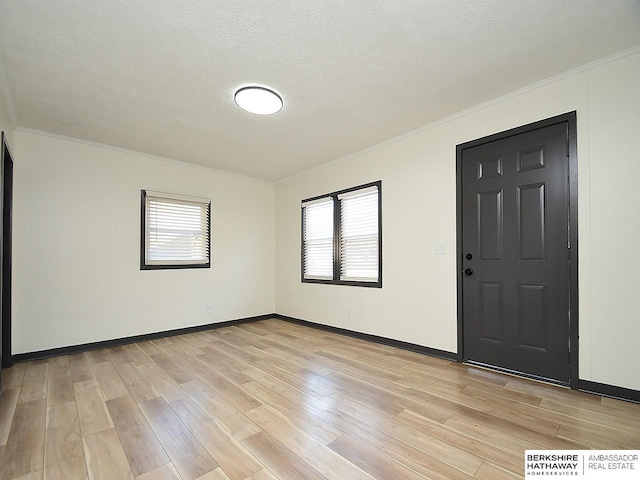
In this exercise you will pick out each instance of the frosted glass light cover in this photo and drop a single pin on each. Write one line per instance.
(258, 100)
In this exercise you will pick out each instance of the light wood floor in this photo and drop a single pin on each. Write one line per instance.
(274, 400)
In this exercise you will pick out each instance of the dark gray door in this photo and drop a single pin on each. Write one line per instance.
(515, 253)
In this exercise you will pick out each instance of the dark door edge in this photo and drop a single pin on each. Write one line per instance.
(6, 177)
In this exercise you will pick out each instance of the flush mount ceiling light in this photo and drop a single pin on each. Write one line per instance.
(258, 100)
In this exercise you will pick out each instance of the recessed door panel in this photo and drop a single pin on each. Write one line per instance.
(489, 168)
(530, 159)
(533, 321)
(531, 222)
(491, 311)
(490, 225)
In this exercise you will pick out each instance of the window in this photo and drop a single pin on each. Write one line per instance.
(318, 234)
(341, 237)
(175, 231)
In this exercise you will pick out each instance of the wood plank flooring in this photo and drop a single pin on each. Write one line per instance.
(274, 400)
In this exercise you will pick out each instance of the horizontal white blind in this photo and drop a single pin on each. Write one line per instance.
(318, 239)
(177, 229)
(359, 235)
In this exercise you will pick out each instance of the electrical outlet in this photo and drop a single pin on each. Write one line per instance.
(209, 309)
(349, 312)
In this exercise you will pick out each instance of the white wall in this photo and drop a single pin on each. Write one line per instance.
(5, 120)
(417, 303)
(77, 245)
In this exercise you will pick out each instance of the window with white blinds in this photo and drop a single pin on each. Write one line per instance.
(341, 237)
(359, 235)
(318, 239)
(175, 231)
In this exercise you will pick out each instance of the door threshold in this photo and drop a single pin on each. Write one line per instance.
(516, 373)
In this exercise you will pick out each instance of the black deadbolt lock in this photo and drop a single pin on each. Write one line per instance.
(469, 256)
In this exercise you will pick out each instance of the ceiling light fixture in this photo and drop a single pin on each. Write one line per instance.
(258, 100)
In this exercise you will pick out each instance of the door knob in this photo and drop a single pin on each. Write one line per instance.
(468, 272)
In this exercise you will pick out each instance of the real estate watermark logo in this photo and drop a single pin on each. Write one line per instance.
(583, 464)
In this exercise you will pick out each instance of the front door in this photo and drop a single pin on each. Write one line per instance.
(515, 251)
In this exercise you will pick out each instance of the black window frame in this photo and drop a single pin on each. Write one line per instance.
(337, 237)
(143, 236)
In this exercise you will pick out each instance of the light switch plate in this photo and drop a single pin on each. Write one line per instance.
(440, 248)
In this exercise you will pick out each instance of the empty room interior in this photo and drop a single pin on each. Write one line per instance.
(415, 258)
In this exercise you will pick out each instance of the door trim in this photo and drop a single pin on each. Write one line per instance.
(570, 119)
(6, 177)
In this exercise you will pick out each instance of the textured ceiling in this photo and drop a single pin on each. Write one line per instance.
(158, 76)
